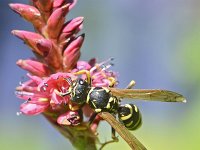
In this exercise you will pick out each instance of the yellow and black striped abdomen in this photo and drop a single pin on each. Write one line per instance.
(130, 116)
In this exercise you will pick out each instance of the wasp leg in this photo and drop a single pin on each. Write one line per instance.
(114, 139)
(108, 142)
(86, 72)
(61, 93)
(131, 84)
(92, 118)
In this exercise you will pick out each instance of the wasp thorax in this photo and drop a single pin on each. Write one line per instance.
(130, 116)
(79, 91)
(101, 100)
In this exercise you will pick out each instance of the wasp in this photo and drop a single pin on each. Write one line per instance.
(106, 102)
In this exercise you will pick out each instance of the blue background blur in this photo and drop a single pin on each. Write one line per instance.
(156, 43)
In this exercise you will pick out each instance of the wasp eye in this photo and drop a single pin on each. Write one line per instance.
(81, 82)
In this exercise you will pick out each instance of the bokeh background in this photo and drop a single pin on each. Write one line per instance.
(156, 43)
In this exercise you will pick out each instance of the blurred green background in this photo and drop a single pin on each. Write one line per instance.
(156, 43)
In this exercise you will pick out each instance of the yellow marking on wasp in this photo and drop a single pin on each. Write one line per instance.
(98, 110)
(136, 109)
(129, 115)
(129, 124)
(88, 96)
(111, 99)
(108, 106)
(138, 124)
(94, 104)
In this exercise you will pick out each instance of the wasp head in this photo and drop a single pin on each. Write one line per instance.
(79, 91)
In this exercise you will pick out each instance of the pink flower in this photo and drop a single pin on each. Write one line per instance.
(42, 93)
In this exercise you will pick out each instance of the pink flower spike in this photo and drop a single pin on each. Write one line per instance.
(72, 52)
(73, 118)
(32, 109)
(71, 27)
(56, 21)
(34, 67)
(30, 38)
(29, 13)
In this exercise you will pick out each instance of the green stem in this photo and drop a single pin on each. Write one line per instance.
(81, 137)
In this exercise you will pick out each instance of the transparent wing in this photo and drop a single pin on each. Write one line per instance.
(133, 142)
(148, 94)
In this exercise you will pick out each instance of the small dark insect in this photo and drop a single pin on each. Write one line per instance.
(106, 101)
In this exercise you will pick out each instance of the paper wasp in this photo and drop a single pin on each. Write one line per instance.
(105, 101)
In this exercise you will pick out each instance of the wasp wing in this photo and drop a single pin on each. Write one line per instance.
(133, 142)
(148, 94)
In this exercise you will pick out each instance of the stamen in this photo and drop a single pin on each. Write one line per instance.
(44, 87)
(22, 80)
(18, 113)
(103, 65)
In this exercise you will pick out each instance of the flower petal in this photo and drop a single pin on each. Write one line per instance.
(32, 109)
(73, 118)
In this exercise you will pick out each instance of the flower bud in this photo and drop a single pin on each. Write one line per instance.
(72, 118)
(44, 46)
(34, 67)
(30, 38)
(43, 5)
(29, 13)
(56, 21)
(72, 52)
(70, 28)
(59, 3)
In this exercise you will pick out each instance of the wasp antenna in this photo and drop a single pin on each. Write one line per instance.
(20, 83)
(22, 80)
